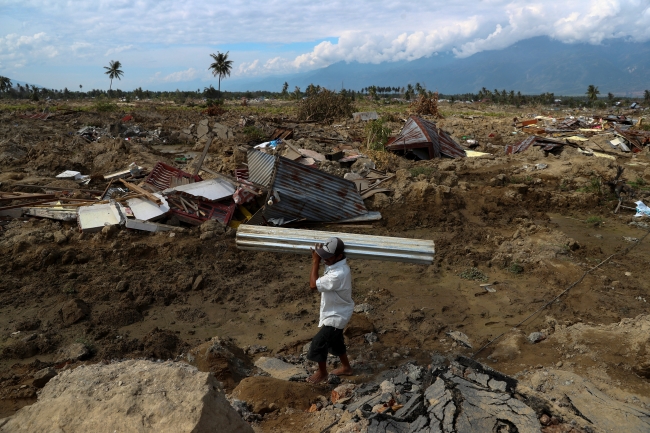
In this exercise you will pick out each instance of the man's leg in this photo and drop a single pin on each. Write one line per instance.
(320, 375)
(345, 369)
(318, 353)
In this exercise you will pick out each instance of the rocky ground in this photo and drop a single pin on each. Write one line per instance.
(68, 298)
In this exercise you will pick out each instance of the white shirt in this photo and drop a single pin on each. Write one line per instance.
(336, 304)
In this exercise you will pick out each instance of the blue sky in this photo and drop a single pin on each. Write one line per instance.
(60, 44)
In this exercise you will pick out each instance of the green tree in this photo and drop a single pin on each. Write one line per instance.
(5, 84)
(113, 71)
(221, 66)
(646, 96)
(592, 93)
(296, 94)
(285, 87)
(610, 98)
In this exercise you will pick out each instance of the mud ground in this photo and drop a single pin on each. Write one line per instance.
(531, 233)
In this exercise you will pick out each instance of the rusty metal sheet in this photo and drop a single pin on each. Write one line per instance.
(521, 146)
(310, 194)
(421, 133)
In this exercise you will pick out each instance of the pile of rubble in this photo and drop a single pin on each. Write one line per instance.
(458, 396)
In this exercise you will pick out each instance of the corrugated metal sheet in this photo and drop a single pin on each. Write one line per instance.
(283, 240)
(312, 194)
(421, 133)
(260, 167)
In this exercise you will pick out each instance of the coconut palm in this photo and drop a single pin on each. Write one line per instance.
(221, 66)
(5, 84)
(113, 71)
(592, 93)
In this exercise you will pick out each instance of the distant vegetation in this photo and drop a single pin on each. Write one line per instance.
(378, 94)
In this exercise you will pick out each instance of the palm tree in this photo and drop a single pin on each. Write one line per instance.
(113, 71)
(646, 96)
(221, 66)
(592, 93)
(5, 84)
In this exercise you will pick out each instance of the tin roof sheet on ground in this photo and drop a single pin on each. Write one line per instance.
(311, 194)
(284, 240)
(421, 133)
(212, 189)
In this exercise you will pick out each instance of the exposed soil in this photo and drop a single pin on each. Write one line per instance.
(530, 232)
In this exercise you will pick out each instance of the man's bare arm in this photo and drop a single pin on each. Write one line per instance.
(315, 264)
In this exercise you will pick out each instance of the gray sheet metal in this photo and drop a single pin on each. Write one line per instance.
(260, 167)
(283, 240)
(313, 195)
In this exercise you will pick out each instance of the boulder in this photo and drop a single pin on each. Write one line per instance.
(266, 394)
(223, 358)
(73, 352)
(129, 396)
(42, 377)
(73, 311)
(221, 131)
(358, 325)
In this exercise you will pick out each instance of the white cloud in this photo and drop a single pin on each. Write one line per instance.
(176, 77)
(117, 50)
(372, 31)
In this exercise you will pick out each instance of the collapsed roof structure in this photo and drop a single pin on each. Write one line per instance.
(424, 140)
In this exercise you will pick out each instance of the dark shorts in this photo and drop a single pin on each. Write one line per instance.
(328, 339)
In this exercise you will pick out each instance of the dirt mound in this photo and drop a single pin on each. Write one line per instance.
(266, 394)
(223, 358)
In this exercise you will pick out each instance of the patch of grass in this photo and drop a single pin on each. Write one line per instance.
(254, 133)
(564, 186)
(92, 350)
(639, 183)
(521, 179)
(105, 106)
(596, 220)
(376, 134)
(427, 171)
(593, 187)
(473, 274)
(516, 268)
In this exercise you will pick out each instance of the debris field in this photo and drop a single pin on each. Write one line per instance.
(498, 256)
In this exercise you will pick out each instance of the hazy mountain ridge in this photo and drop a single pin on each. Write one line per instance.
(535, 65)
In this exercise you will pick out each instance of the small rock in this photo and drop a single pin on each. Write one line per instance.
(460, 337)
(371, 337)
(362, 308)
(559, 364)
(72, 353)
(42, 377)
(73, 311)
(536, 337)
(122, 286)
(198, 283)
(545, 420)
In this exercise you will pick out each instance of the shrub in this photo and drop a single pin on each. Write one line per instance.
(473, 274)
(427, 171)
(596, 220)
(104, 106)
(376, 134)
(254, 133)
(325, 106)
(516, 268)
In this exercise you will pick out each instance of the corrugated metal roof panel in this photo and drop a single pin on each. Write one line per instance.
(260, 167)
(418, 132)
(312, 194)
(283, 240)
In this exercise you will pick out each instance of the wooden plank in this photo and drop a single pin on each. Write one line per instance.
(146, 194)
(205, 152)
(16, 206)
(56, 188)
(4, 198)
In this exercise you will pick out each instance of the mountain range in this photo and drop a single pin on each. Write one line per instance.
(532, 66)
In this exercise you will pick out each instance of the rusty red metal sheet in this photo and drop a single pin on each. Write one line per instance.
(282, 133)
(37, 116)
(161, 176)
(421, 133)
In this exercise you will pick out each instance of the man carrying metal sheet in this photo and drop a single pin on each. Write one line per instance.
(336, 307)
